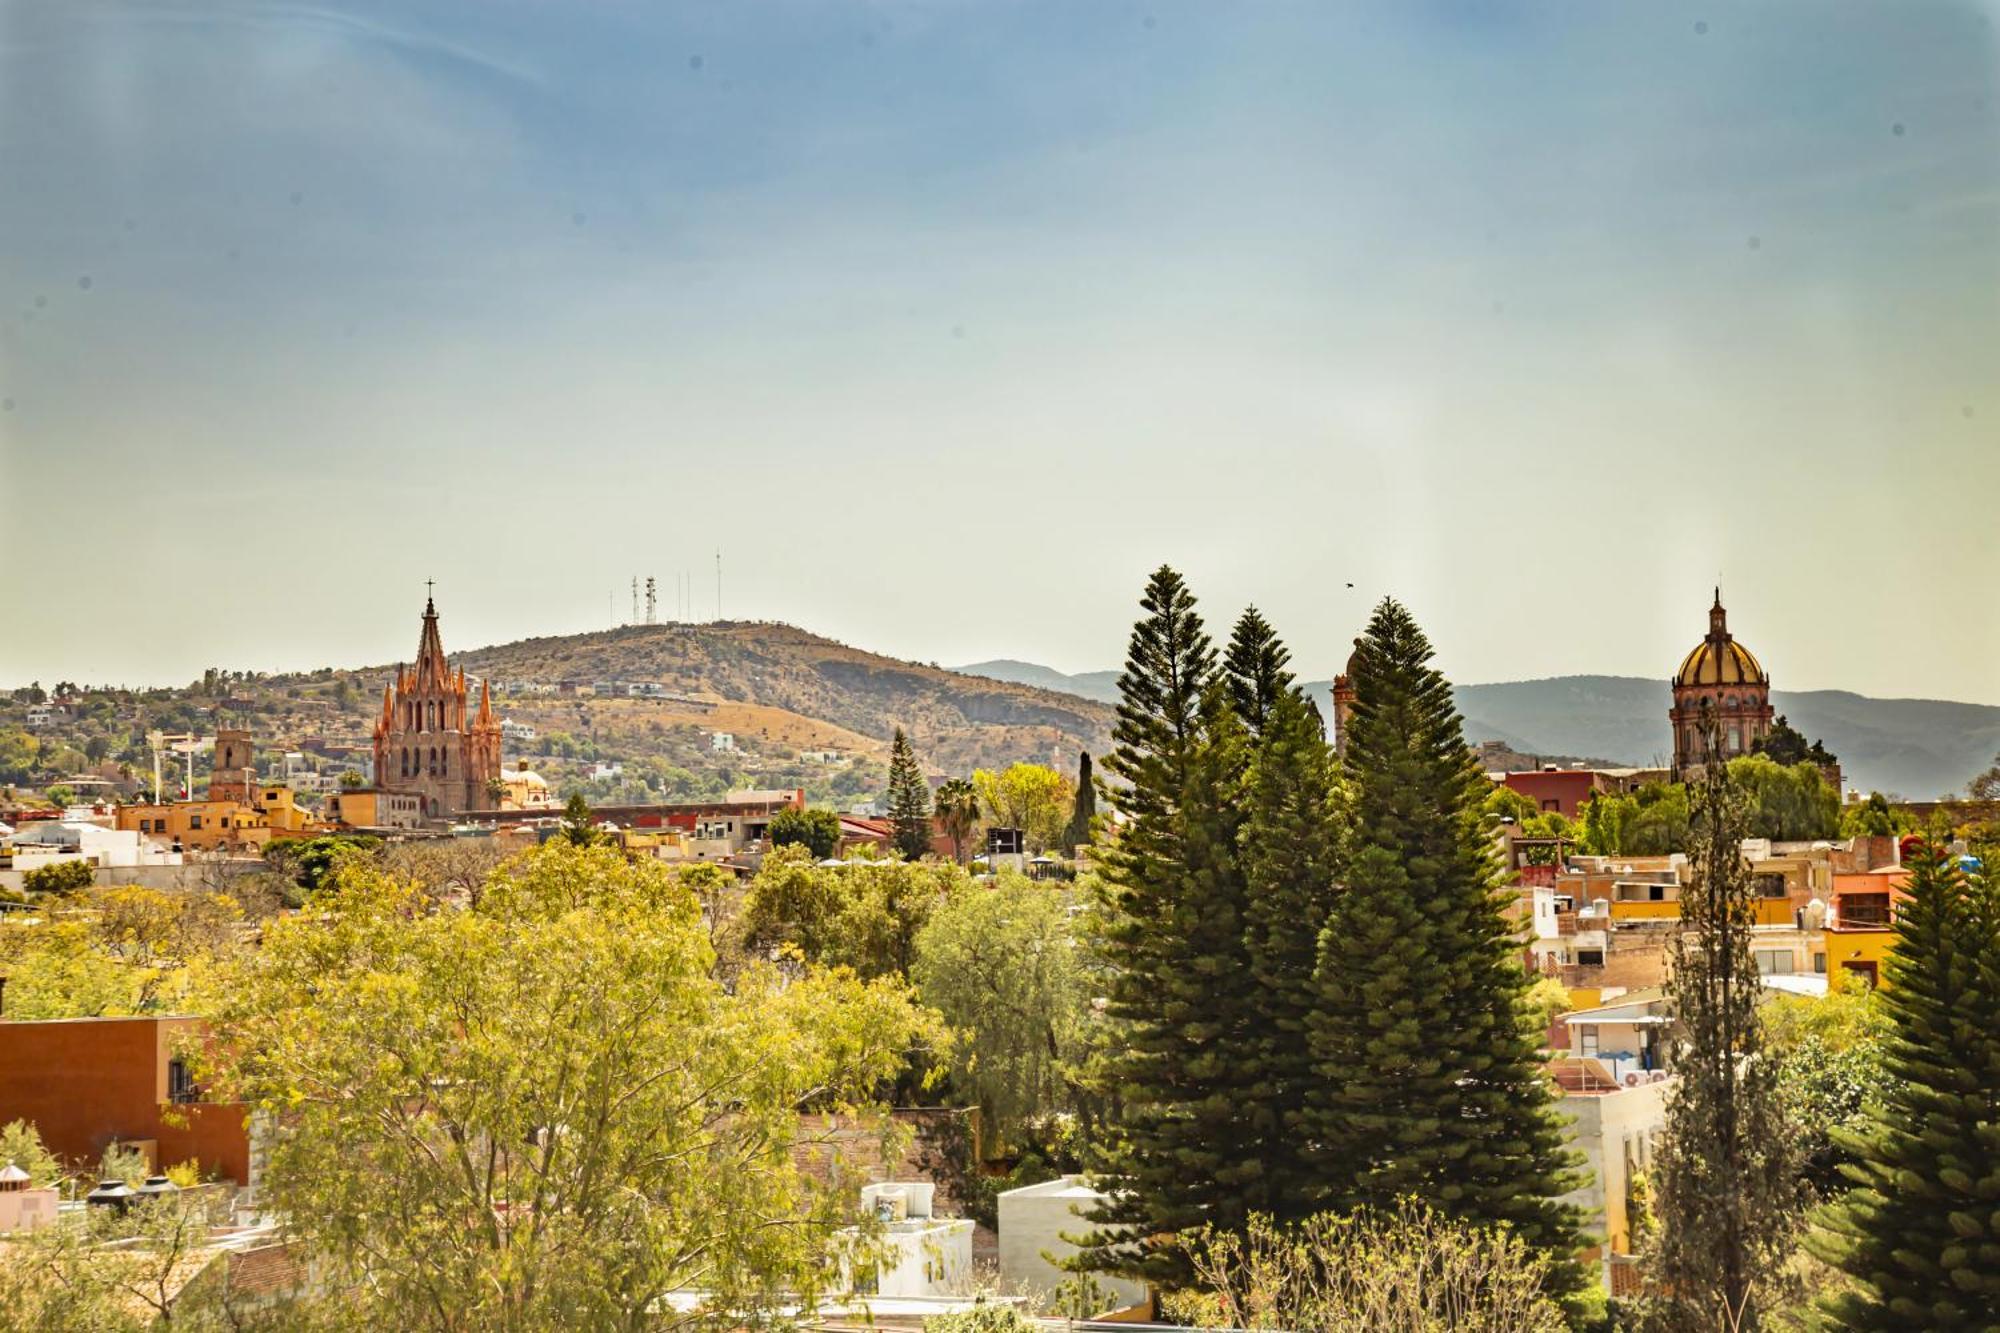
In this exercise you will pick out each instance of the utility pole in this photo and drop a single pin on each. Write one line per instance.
(652, 602)
(635, 601)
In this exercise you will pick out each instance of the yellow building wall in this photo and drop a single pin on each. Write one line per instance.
(1860, 946)
(1646, 911)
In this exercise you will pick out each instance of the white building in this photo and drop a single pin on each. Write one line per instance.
(516, 731)
(1033, 1221)
(919, 1254)
(721, 742)
(1615, 1129)
(52, 842)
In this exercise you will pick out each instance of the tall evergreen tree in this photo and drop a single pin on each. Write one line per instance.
(1084, 812)
(1920, 1232)
(1255, 665)
(1431, 1080)
(1291, 862)
(909, 799)
(1170, 931)
(1725, 1184)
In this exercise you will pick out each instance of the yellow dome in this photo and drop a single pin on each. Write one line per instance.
(1725, 663)
(1719, 659)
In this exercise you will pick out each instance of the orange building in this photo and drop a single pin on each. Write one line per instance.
(87, 1083)
(223, 825)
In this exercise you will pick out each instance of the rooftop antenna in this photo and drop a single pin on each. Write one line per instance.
(718, 586)
(635, 600)
(652, 602)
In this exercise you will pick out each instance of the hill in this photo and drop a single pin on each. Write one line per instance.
(957, 721)
(1919, 748)
(796, 709)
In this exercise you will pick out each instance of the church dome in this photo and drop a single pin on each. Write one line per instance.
(1726, 663)
(1719, 659)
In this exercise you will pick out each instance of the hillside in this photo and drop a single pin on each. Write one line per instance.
(798, 711)
(957, 721)
(1918, 748)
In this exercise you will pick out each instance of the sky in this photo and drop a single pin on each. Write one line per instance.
(947, 322)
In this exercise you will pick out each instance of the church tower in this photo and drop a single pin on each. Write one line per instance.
(426, 744)
(1720, 682)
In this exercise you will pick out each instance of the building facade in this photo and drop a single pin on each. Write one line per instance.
(428, 743)
(1722, 682)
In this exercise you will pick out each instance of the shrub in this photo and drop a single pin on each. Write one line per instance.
(62, 877)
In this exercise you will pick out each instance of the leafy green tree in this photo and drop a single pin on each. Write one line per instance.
(61, 878)
(1792, 804)
(60, 795)
(863, 917)
(1031, 797)
(1654, 821)
(1001, 965)
(1170, 935)
(1082, 828)
(1291, 857)
(1431, 1078)
(567, 1117)
(21, 1145)
(1255, 667)
(1918, 1233)
(579, 829)
(909, 800)
(1785, 746)
(19, 754)
(351, 779)
(958, 810)
(816, 830)
(1874, 818)
(1725, 1184)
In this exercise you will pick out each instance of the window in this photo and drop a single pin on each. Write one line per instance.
(1588, 1038)
(1770, 961)
(1551, 804)
(1590, 957)
(181, 1087)
(194, 821)
(1819, 963)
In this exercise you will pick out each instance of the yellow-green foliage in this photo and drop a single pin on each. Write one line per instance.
(563, 1110)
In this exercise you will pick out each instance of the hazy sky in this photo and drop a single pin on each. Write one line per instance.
(948, 321)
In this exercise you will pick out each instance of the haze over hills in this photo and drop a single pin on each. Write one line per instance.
(1919, 748)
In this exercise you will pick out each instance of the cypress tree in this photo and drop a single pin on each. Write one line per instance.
(909, 799)
(1170, 931)
(1920, 1232)
(1084, 812)
(1255, 665)
(1725, 1184)
(1431, 1079)
(1291, 862)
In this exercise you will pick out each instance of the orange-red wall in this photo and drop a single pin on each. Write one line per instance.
(85, 1083)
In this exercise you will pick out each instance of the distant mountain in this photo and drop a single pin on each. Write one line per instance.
(1918, 748)
(1099, 685)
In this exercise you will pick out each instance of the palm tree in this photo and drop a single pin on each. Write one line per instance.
(957, 806)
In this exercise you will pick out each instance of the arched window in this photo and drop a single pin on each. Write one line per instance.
(444, 761)
(1730, 702)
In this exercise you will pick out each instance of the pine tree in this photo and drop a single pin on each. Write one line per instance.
(1291, 862)
(1725, 1183)
(909, 799)
(1170, 932)
(1255, 665)
(1084, 813)
(1920, 1232)
(1431, 1080)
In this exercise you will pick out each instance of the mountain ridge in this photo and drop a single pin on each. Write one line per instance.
(1918, 748)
